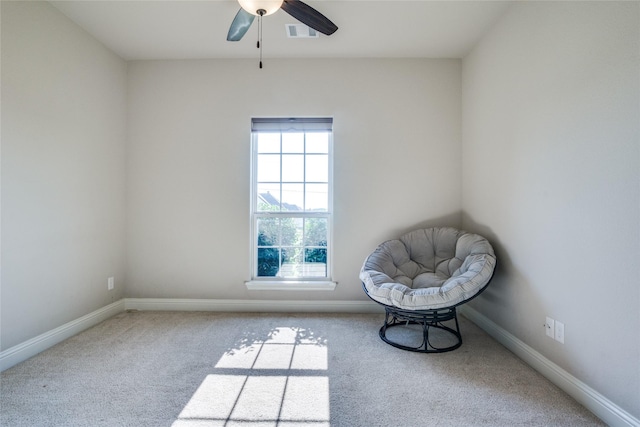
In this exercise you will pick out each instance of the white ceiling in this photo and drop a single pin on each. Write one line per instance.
(181, 29)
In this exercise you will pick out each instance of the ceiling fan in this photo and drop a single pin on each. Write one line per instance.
(304, 13)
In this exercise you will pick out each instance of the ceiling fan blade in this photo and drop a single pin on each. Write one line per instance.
(309, 16)
(240, 25)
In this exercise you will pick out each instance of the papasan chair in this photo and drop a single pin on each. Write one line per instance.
(421, 278)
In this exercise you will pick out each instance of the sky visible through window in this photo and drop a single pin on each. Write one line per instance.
(293, 169)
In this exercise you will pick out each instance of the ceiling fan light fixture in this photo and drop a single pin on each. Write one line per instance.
(253, 6)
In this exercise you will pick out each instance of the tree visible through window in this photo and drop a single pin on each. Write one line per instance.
(291, 195)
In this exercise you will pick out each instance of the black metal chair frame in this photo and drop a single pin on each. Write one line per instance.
(427, 319)
(395, 316)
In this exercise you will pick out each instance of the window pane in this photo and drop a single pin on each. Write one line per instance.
(292, 197)
(317, 168)
(315, 232)
(292, 168)
(268, 261)
(317, 142)
(316, 260)
(312, 264)
(292, 266)
(317, 197)
(268, 168)
(291, 231)
(268, 143)
(268, 232)
(293, 142)
(268, 197)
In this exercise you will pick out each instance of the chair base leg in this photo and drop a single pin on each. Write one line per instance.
(427, 319)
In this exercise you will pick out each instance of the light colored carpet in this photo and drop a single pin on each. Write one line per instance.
(197, 369)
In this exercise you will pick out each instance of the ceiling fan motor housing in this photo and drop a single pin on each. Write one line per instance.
(260, 7)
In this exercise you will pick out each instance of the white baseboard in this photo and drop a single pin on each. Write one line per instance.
(262, 306)
(21, 352)
(608, 411)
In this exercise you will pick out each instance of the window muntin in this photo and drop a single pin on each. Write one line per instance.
(291, 200)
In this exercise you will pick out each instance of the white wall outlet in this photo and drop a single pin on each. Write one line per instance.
(550, 328)
(559, 332)
(110, 283)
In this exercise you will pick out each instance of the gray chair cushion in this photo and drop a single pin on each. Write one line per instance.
(428, 269)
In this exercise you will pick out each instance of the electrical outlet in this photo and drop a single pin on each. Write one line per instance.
(549, 327)
(110, 283)
(559, 332)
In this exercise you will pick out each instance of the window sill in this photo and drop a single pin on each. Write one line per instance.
(299, 285)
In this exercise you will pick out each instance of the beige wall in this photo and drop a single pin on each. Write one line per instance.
(68, 109)
(396, 149)
(63, 139)
(551, 161)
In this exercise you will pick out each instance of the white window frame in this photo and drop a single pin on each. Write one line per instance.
(283, 125)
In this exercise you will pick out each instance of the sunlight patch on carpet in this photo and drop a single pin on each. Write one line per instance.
(271, 389)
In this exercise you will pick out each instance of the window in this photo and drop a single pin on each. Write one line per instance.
(291, 202)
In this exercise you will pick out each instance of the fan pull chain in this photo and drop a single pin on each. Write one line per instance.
(261, 12)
